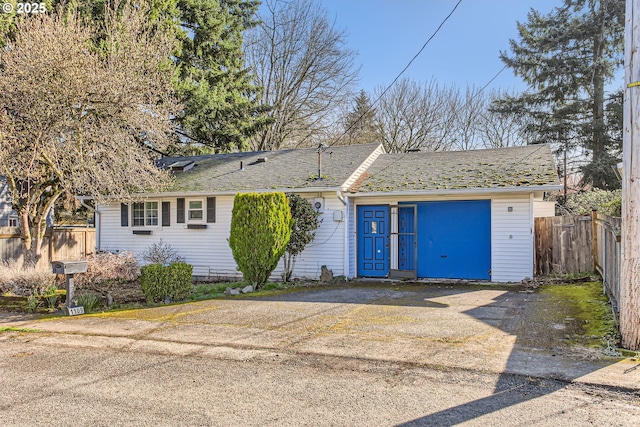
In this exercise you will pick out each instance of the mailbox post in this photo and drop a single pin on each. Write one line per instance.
(69, 268)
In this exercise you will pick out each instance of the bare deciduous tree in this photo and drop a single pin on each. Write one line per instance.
(412, 116)
(301, 61)
(498, 129)
(468, 110)
(80, 109)
(476, 125)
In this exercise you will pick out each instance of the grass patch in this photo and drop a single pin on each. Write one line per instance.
(212, 290)
(205, 291)
(590, 318)
(13, 329)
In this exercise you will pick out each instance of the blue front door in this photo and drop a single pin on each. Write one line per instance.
(373, 241)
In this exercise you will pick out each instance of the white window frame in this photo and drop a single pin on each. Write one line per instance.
(189, 210)
(13, 221)
(148, 219)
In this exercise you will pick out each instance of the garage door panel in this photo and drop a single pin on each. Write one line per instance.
(454, 239)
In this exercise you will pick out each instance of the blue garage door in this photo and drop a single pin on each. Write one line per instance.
(454, 239)
(373, 241)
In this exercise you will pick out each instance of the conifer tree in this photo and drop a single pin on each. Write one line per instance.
(567, 57)
(221, 108)
(359, 123)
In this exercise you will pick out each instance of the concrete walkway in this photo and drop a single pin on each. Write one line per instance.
(485, 329)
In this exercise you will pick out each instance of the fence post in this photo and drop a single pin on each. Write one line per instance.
(594, 240)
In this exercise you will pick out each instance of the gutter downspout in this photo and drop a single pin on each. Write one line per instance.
(98, 222)
(344, 201)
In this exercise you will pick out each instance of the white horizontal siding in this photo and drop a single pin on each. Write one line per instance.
(511, 238)
(208, 249)
(542, 209)
(327, 248)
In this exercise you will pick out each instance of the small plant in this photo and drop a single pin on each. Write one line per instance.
(51, 296)
(161, 253)
(89, 301)
(32, 303)
(172, 281)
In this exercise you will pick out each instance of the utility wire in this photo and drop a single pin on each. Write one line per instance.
(397, 77)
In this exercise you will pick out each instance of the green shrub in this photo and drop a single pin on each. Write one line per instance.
(260, 231)
(161, 281)
(89, 301)
(303, 231)
(604, 201)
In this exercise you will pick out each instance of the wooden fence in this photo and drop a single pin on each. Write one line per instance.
(59, 243)
(563, 245)
(608, 259)
(580, 244)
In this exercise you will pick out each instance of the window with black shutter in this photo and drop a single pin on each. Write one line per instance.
(124, 215)
(180, 211)
(166, 214)
(211, 209)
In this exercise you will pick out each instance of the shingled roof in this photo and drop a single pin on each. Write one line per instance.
(267, 170)
(502, 168)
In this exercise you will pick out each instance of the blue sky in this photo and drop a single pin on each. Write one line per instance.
(388, 33)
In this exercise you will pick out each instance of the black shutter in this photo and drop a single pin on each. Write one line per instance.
(180, 211)
(124, 215)
(211, 209)
(166, 215)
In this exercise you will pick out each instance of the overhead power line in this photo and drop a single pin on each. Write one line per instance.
(397, 77)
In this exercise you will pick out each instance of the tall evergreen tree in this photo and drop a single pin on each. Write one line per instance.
(221, 108)
(567, 57)
(220, 103)
(359, 123)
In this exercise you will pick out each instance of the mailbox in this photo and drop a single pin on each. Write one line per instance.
(69, 267)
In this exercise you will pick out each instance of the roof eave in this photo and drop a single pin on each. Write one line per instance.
(234, 192)
(470, 191)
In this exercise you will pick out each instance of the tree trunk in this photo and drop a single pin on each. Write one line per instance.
(630, 268)
(32, 238)
(598, 104)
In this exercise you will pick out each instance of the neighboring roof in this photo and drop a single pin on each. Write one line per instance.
(283, 169)
(501, 168)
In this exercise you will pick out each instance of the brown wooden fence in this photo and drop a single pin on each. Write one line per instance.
(580, 244)
(563, 245)
(58, 244)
